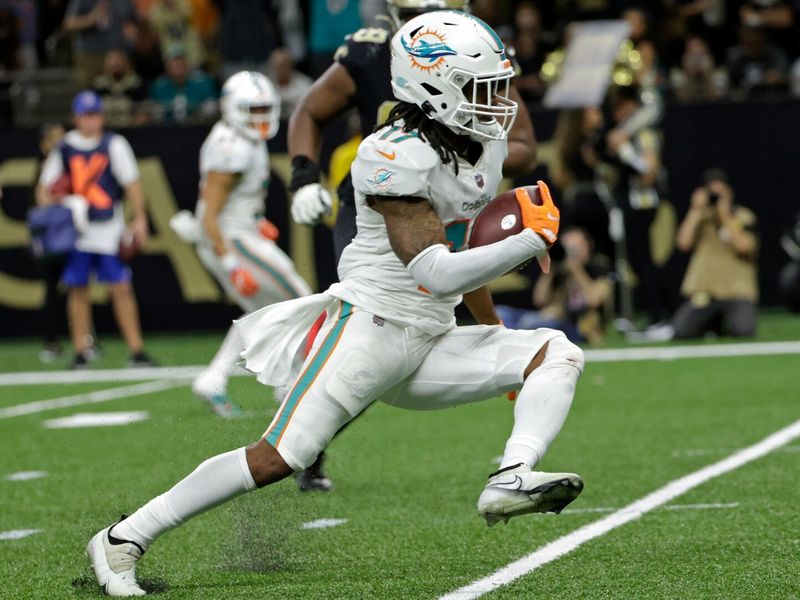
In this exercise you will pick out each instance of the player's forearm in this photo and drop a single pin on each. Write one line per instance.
(135, 196)
(444, 273)
(305, 134)
(481, 306)
(213, 232)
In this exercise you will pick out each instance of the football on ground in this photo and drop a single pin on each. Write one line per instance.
(501, 217)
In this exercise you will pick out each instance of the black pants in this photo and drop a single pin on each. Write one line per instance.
(657, 295)
(726, 317)
(53, 310)
(345, 229)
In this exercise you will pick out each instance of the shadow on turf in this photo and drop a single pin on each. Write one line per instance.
(88, 584)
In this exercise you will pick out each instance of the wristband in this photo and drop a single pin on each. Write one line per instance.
(304, 172)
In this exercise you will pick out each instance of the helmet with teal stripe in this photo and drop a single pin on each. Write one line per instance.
(250, 104)
(454, 66)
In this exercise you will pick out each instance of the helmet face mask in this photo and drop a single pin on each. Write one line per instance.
(251, 105)
(454, 67)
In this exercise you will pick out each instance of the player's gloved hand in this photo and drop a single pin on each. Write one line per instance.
(310, 203)
(544, 219)
(269, 230)
(240, 277)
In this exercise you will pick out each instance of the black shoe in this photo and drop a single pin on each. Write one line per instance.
(313, 479)
(141, 359)
(81, 361)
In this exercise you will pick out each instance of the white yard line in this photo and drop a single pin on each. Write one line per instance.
(700, 351)
(594, 356)
(95, 397)
(571, 541)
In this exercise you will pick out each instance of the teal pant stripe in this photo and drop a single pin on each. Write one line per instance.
(302, 385)
(282, 281)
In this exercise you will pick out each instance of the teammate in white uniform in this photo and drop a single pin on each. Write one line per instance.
(235, 242)
(389, 330)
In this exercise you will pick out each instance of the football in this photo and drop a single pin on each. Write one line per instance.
(501, 217)
(129, 246)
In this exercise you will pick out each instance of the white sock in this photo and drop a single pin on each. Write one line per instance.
(214, 379)
(543, 403)
(213, 482)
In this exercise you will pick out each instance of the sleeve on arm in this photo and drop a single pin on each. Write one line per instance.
(52, 169)
(123, 161)
(445, 273)
(227, 155)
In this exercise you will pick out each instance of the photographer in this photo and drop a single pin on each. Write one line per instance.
(572, 297)
(720, 284)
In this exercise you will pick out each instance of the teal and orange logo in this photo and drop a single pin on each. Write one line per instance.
(427, 49)
(382, 177)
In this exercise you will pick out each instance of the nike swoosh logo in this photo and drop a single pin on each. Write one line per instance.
(551, 216)
(391, 156)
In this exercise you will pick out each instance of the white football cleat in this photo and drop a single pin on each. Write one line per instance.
(114, 563)
(517, 490)
(217, 400)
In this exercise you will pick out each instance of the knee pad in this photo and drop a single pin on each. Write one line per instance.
(560, 351)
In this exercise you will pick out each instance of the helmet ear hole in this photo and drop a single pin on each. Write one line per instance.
(431, 90)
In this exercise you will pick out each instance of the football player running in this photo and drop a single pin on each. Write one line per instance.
(389, 331)
(234, 240)
(359, 78)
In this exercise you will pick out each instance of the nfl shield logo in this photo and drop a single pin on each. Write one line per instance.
(479, 180)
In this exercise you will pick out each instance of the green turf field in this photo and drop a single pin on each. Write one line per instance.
(407, 484)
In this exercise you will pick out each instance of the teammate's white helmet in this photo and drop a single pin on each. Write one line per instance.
(250, 104)
(454, 67)
(401, 10)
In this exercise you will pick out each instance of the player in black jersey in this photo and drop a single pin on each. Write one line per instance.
(360, 78)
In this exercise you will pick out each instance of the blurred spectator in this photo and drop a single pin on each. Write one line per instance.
(182, 93)
(101, 167)
(721, 283)
(120, 88)
(290, 83)
(776, 17)
(50, 18)
(171, 20)
(637, 158)
(146, 53)
(9, 40)
(27, 31)
(97, 26)
(755, 65)
(705, 19)
(248, 35)
(647, 74)
(576, 139)
(574, 296)
(698, 79)
(329, 23)
(528, 51)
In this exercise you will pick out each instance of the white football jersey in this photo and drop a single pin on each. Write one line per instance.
(227, 151)
(393, 162)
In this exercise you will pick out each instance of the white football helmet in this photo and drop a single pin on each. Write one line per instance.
(454, 67)
(250, 104)
(402, 10)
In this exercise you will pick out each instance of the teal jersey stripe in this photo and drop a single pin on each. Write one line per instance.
(390, 132)
(408, 136)
(280, 279)
(310, 374)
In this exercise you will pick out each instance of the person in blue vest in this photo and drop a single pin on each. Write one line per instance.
(100, 167)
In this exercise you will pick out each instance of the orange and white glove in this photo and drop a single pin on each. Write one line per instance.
(544, 219)
(240, 277)
(268, 230)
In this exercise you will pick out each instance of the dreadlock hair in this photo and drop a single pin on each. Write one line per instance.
(414, 118)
